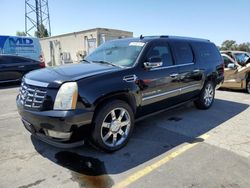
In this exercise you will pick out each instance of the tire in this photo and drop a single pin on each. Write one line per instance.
(248, 86)
(113, 125)
(206, 97)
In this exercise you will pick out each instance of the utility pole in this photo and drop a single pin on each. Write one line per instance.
(37, 17)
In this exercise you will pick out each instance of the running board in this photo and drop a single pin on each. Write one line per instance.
(164, 110)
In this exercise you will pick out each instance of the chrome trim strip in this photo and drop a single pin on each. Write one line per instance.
(169, 92)
(187, 87)
(160, 94)
(35, 83)
(172, 66)
(6, 81)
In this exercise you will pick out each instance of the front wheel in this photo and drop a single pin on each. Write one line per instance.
(206, 97)
(113, 125)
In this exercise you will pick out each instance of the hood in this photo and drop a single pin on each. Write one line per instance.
(71, 72)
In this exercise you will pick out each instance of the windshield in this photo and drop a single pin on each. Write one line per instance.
(241, 57)
(118, 52)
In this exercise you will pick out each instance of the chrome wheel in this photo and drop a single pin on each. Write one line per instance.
(115, 127)
(208, 95)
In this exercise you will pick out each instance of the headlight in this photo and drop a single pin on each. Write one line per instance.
(66, 97)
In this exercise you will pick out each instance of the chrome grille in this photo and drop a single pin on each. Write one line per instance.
(32, 96)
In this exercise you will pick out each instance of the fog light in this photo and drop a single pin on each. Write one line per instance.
(57, 134)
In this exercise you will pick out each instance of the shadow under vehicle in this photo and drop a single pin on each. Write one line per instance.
(152, 137)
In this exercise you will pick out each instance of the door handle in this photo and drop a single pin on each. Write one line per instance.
(196, 70)
(174, 75)
(21, 66)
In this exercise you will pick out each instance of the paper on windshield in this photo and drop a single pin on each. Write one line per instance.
(136, 44)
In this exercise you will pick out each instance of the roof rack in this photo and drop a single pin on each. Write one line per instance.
(172, 37)
(164, 36)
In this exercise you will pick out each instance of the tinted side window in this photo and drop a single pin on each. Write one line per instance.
(16, 60)
(162, 51)
(5, 60)
(10, 60)
(183, 52)
(206, 52)
(1, 61)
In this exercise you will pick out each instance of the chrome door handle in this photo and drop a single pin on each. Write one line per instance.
(174, 75)
(196, 70)
(21, 66)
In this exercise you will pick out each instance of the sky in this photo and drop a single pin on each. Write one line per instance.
(216, 20)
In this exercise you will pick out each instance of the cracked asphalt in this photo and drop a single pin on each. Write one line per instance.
(221, 160)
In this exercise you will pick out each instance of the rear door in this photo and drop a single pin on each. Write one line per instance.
(190, 75)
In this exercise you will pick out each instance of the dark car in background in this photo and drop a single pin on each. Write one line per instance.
(13, 68)
(122, 80)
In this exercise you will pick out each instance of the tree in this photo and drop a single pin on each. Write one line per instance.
(232, 45)
(43, 32)
(244, 47)
(229, 45)
(20, 33)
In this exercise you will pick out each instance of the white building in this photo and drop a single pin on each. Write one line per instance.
(72, 47)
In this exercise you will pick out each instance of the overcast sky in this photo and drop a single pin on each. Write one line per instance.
(216, 20)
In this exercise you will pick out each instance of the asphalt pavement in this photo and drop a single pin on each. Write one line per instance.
(184, 147)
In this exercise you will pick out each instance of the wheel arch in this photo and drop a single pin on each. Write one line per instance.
(211, 77)
(125, 96)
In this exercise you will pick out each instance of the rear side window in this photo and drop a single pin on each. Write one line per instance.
(1, 61)
(206, 52)
(10, 60)
(183, 52)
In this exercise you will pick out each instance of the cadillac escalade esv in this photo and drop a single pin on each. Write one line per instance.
(122, 80)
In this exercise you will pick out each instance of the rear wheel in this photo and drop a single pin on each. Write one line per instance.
(248, 86)
(206, 97)
(113, 125)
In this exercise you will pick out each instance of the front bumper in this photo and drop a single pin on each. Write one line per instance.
(64, 129)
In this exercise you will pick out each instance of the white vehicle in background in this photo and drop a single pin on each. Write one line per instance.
(27, 47)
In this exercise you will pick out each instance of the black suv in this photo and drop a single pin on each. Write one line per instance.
(122, 80)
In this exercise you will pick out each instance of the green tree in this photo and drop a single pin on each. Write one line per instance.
(244, 47)
(232, 45)
(20, 33)
(229, 45)
(43, 32)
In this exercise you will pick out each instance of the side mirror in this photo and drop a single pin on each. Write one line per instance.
(231, 66)
(154, 62)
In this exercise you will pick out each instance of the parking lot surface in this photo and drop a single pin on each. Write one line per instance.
(184, 147)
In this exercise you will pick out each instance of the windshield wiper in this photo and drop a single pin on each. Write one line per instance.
(108, 63)
(85, 60)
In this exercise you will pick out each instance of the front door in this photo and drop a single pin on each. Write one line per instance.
(160, 84)
(231, 77)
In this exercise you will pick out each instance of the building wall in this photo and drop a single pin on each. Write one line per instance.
(72, 47)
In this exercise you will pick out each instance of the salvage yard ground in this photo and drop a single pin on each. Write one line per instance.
(184, 147)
